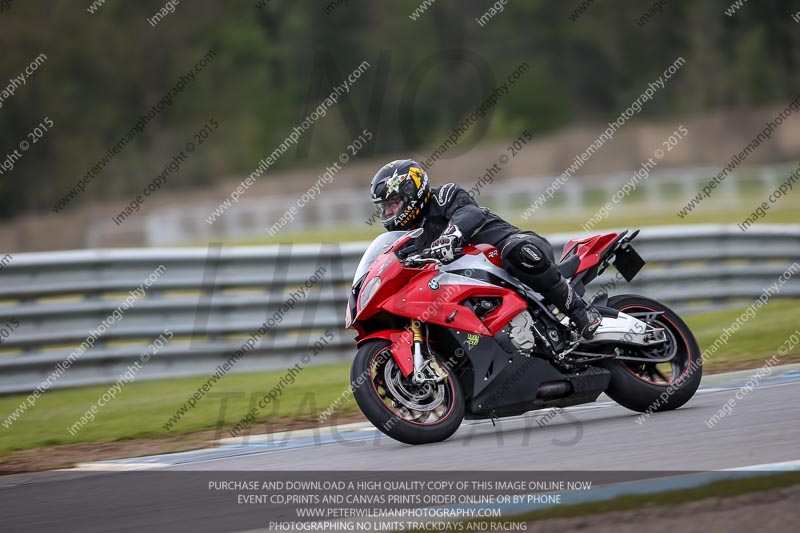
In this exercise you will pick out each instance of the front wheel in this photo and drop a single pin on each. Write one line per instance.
(658, 386)
(408, 412)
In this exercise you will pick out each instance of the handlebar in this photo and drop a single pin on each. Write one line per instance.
(426, 253)
(427, 256)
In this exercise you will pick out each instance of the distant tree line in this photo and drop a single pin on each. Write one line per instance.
(276, 61)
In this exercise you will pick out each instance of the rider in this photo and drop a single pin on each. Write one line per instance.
(451, 218)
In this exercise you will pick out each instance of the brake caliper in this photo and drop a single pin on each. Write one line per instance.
(437, 368)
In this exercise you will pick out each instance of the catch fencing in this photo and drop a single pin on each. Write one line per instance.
(213, 299)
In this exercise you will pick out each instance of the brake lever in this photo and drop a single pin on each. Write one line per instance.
(420, 258)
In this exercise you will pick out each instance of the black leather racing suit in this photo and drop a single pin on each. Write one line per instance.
(525, 255)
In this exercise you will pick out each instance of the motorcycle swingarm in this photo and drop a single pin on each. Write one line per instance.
(625, 329)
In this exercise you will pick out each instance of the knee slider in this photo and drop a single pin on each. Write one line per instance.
(531, 258)
(528, 262)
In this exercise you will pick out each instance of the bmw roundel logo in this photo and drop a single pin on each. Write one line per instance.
(433, 285)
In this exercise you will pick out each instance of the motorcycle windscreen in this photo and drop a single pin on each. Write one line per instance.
(378, 246)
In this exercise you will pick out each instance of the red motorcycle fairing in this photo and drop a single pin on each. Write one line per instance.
(491, 253)
(410, 293)
(441, 305)
(394, 277)
(402, 341)
(589, 249)
(413, 293)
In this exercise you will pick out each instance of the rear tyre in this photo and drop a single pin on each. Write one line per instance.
(655, 387)
(403, 410)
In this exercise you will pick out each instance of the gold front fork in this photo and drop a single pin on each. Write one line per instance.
(419, 361)
(416, 329)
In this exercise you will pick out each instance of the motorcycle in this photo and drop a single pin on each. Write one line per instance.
(438, 343)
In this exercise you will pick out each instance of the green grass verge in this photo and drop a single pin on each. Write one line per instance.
(718, 489)
(758, 339)
(141, 409)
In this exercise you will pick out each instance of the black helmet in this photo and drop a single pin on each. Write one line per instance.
(401, 191)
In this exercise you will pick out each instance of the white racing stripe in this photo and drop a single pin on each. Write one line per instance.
(785, 466)
(114, 467)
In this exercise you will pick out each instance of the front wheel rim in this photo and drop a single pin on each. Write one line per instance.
(426, 404)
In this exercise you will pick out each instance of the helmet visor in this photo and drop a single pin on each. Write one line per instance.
(390, 208)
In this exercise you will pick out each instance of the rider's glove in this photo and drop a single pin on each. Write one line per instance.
(444, 247)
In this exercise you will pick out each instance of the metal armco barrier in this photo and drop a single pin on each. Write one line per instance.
(212, 299)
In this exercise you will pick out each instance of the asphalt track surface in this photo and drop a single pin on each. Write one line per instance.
(764, 427)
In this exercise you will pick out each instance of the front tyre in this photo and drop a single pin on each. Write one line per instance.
(662, 386)
(403, 410)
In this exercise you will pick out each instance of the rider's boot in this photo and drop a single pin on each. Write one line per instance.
(585, 317)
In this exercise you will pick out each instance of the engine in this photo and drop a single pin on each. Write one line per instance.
(520, 331)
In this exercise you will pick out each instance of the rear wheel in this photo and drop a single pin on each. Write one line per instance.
(674, 376)
(406, 411)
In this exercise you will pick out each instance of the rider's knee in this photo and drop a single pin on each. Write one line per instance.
(527, 256)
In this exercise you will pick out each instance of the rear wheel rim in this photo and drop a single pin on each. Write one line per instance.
(427, 404)
(660, 374)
